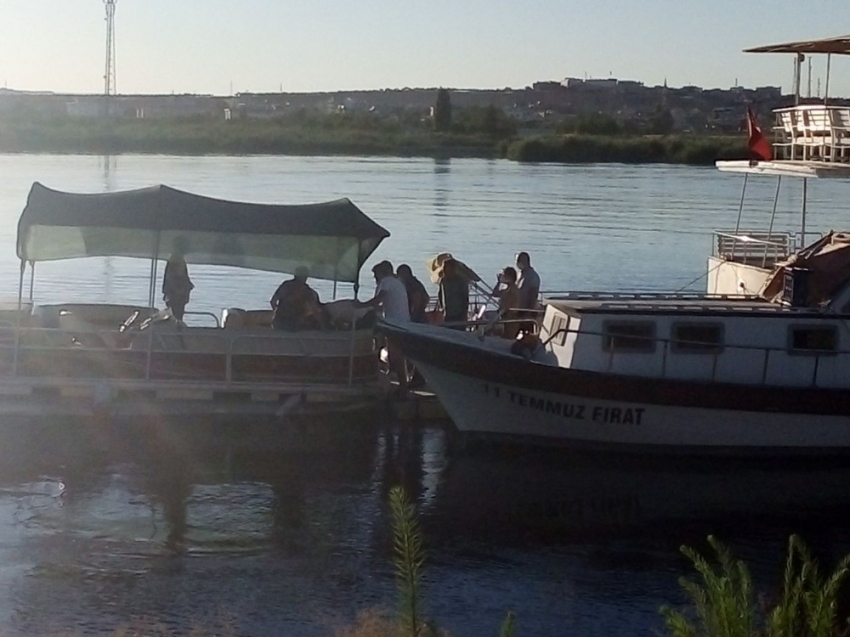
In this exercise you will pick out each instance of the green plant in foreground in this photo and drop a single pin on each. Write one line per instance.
(409, 558)
(724, 601)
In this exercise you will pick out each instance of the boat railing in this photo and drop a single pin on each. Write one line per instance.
(812, 132)
(761, 249)
(15, 339)
(701, 348)
(209, 314)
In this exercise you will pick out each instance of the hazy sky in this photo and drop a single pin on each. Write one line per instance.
(202, 46)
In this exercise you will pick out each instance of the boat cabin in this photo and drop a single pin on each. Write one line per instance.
(698, 338)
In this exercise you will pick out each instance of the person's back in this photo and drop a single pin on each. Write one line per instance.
(454, 294)
(176, 285)
(417, 295)
(295, 305)
(394, 303)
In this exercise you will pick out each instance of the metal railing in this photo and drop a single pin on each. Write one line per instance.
(57, 339)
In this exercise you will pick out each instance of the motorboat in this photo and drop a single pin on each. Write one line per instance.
(757, 365)
(80, 359)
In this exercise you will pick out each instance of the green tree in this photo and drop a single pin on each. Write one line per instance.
(443, 111)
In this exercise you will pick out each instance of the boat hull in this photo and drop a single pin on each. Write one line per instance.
(493, 394)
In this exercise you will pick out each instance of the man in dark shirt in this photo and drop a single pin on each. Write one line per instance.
(528, 282)
(454, 294)
(296, 305)
(529, 289)
(417, 295)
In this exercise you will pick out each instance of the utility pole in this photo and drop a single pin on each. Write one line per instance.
(109, 83)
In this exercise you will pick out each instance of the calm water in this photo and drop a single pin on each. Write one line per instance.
(103, 526)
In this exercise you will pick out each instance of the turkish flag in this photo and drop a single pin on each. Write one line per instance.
(759, 147)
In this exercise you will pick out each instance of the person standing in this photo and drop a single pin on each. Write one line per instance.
(391, 299)
(508, 294)
(176, 285)
(454, 294)
(529, 290)
(417, 295)
(528, 282)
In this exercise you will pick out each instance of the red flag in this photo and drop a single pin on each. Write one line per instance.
(759, 147)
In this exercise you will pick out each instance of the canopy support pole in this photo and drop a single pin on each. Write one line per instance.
(154, 264)
(18, 319)
(32, 277)
(353, 334)
(740, 212)
(336, 268)
(805, 198)
(798, 64)
(772, 219)
(826, 83)
(21, 284)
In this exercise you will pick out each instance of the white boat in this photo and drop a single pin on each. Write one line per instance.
(758, 366)
(75, 359)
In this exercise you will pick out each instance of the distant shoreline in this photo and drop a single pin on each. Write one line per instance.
(199, 136)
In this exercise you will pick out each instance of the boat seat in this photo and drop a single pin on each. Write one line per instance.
(235, 318)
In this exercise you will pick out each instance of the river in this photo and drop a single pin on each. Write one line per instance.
(104, 529)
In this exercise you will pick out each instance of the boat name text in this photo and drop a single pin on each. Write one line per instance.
(613, 415)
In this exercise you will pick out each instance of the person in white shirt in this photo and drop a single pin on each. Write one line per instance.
(391, 299)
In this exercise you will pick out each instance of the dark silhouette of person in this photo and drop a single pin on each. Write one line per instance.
(454, 294)
(417, 296)
(176, 285)
(296, 305)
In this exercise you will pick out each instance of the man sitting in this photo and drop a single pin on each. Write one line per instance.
(296, 305)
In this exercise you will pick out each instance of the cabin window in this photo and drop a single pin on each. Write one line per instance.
(697, 338)
(816, 340)
(631, 336)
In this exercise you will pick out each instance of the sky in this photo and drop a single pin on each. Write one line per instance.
(213, 46)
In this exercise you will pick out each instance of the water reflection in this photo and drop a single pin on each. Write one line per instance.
(104, 523)
(442, 187)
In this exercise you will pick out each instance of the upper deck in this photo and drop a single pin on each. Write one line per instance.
(579, 303)
(809, 141)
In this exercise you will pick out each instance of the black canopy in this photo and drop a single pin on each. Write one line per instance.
(332, 239)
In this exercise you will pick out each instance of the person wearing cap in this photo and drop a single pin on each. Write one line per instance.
(296, 305)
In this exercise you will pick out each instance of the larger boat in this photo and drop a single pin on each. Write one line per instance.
(758, 365)
(80, 359)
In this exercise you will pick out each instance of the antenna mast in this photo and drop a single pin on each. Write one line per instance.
(109, 84)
